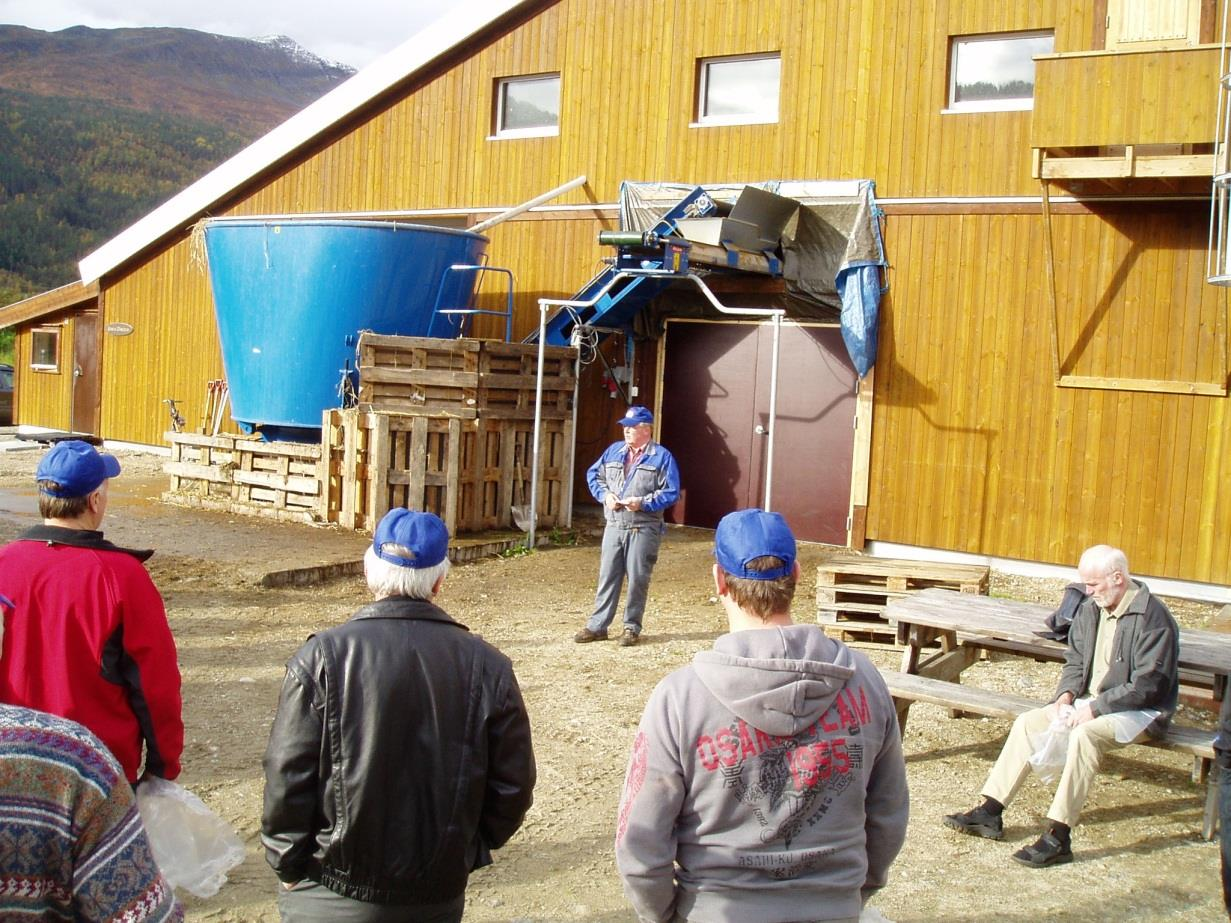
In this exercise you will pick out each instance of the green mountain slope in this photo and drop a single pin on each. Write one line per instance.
(73, 172)
(99, 126)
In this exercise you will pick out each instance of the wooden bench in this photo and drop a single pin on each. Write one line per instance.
(1197, 742)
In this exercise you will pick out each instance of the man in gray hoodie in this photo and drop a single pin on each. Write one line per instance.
(766, 783)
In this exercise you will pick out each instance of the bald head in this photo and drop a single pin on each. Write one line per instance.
(1104, 571)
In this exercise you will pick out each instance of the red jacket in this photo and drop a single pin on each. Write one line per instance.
(86, 638)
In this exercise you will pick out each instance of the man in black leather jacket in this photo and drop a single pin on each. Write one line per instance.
(400, 754)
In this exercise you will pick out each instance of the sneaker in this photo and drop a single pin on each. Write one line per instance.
(1047, 850)
(977, 822)
(629, 638)
(585, 636)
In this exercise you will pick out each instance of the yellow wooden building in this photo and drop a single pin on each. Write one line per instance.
(1053, 366)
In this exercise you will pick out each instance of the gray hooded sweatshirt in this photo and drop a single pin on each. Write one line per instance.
(766, 784)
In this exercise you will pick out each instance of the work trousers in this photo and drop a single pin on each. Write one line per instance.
(627, 553)
(1087, 744)
(1224, 823)
(311, 902)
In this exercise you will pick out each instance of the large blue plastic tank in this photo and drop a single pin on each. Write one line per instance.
(291, 296)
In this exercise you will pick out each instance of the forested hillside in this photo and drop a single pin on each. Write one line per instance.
(73, 172)
(99, 126)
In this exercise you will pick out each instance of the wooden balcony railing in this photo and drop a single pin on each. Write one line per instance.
(1118, 114)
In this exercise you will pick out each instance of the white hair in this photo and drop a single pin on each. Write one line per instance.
(1103, 560)
(388, 579)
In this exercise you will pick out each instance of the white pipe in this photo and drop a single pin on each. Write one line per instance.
(776, 313)
(526, 206)
(773, 414)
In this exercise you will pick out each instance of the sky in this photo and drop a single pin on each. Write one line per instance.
(353, 32)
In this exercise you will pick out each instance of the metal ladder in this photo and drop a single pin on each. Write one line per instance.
(465, 314)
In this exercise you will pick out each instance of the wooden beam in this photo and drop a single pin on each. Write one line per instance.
(1050, 253)
(1150, 385)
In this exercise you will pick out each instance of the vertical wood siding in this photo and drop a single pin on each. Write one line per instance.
(171, 353)
(974, 447)
(44, 398)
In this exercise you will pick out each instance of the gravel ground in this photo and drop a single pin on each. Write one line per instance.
(1140, 855)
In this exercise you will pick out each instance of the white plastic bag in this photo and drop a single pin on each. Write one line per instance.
(1052, 747)
(192, 845)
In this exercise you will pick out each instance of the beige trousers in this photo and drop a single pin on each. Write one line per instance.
(1087, 744)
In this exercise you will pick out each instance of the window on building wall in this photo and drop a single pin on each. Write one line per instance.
(739, 90)
(995, 71)
(528, 107)
(45, 349)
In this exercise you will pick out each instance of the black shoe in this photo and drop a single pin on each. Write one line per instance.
(629, 638)
(977, 822)
(585, 636)
(1047, 850)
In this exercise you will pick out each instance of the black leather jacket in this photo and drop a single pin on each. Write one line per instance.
(400, 755)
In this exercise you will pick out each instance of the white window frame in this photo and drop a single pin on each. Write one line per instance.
(1017, 104)
(537, 131)
(58, 333)
(751, 118)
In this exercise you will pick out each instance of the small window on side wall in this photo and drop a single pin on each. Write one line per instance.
(528, 107)
(45, 349)
(739, 90)
(995, 72)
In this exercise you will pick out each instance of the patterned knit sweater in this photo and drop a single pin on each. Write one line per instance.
(72, 846)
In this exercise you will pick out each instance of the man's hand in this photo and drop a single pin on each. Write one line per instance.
(633, 503)
(612, 502)
(1081, 715)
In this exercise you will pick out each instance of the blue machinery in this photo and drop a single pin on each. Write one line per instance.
(646, 263)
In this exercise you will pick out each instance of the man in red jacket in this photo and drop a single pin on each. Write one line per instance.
(85, 632)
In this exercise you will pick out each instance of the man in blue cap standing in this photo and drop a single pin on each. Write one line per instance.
(400, 755)
(86, 634)
(635, 480)
(766, 783)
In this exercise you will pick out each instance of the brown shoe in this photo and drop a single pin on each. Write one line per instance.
(585, 636)
(629, 638)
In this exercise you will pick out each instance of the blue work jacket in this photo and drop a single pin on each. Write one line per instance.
(655, 480)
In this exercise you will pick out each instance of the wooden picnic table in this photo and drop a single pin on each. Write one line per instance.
(965, 624)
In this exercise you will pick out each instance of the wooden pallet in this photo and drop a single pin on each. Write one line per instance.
(852, 592)
(464, 378)
(470, 472)
(277, 480)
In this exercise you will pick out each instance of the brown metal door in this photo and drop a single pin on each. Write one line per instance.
(715, 418)
(86, 371)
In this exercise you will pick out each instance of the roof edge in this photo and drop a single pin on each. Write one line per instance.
(57, 299)
(184, 208)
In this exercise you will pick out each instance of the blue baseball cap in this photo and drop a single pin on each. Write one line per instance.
(637, 415)
(746, 535)
(424, 535)
(75, 468)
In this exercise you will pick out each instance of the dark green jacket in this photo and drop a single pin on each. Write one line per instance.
(1144, 670)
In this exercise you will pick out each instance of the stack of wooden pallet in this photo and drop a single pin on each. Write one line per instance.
(448, 426)
(242, 474)
(442, 425)
(853, 591)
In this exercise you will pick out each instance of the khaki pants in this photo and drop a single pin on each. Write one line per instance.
(1087, 744)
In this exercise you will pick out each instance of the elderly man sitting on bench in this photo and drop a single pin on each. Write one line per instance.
(1120, 684)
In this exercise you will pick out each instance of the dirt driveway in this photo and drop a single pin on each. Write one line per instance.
(1140, 855)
